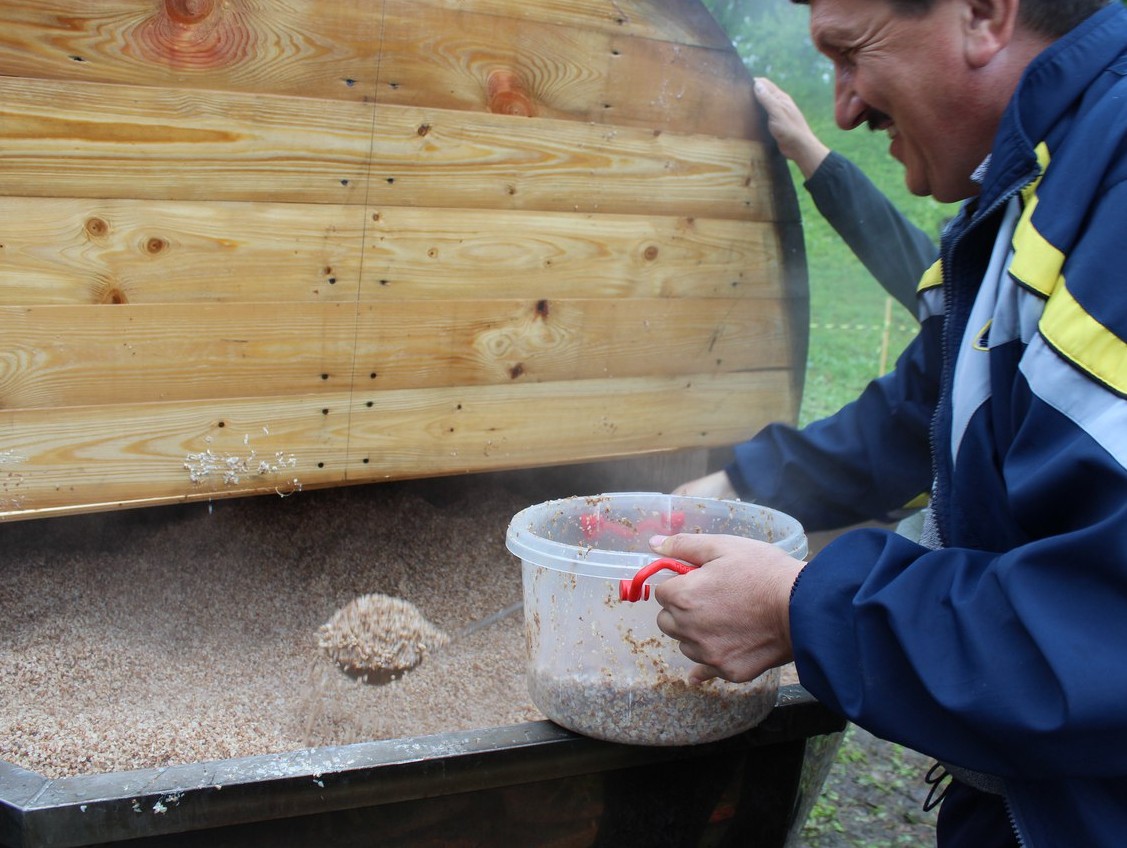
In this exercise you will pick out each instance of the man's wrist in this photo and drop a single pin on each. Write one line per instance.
(811, 158)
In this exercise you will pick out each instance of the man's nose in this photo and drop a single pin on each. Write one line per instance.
(849, 108)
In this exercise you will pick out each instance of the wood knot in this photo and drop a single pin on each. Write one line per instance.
(97, 227)
(508, 95)
(650, 253)
(113, 294)
(188, 11)
(155, 245)
(195, 34)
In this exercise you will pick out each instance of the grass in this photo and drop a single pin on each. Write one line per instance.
(873, 798)
(856, 330)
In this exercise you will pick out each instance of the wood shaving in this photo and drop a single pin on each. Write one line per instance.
(377, 637)
(183, 634)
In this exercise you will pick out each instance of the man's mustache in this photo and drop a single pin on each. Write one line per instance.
(877, 120)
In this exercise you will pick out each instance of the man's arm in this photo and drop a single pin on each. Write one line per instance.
(894, 250)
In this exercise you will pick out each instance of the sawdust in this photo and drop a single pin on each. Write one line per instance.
(183, 634)
(377, 638)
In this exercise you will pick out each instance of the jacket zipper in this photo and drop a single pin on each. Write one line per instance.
(946, 388)
(1021, 841)
(947, 375)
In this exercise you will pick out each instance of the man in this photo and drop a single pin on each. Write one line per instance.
(998, 644)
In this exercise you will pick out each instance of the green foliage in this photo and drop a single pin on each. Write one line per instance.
(873, 798)
(853, 329)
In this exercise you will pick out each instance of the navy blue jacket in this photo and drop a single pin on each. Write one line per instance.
(1003, 650)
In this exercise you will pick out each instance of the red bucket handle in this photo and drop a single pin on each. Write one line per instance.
(637, 589)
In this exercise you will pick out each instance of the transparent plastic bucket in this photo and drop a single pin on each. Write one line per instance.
(599, 665)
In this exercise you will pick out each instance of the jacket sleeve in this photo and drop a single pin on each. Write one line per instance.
(863, 463)
(1007, 663)
(894, 250)
(1009, 658)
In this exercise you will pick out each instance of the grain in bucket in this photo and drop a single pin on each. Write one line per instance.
(598, 664)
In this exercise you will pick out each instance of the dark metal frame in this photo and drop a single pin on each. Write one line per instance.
(527, 784)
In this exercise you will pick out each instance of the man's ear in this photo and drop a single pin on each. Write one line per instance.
(988, 28)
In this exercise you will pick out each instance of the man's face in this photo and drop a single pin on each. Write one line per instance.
(906, 74)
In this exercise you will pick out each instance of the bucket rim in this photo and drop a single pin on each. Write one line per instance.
(523, 541)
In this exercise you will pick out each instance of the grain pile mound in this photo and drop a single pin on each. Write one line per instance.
(174, 635)
(377, 637)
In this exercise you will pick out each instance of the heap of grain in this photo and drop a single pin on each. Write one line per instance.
(377, 637)
(182, 634)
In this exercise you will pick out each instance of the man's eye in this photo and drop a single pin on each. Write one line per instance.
(844, 64)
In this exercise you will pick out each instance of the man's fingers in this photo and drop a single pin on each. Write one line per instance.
(666, 623)
(701, 673)
(695, 548)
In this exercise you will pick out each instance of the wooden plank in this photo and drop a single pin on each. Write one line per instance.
(484, 428)
(683, 22)
(61, 356)
(111, 141)
(89, 458)
(546, 341)
(87, 250)
(58, 356)
(452, 59)
(427, 53)
(249, 247)
(445, 254)
(75, 250)
(57, 461)
(317, 48)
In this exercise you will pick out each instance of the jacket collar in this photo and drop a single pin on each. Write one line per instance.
(1049, 88)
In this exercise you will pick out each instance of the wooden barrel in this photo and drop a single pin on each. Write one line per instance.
(251, 246)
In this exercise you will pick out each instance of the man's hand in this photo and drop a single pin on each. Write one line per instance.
(731, 615)
(715, 485)
(788, 126)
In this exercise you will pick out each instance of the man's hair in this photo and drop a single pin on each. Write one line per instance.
(1051, 18)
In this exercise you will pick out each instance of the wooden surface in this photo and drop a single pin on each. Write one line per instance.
(252, 247)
